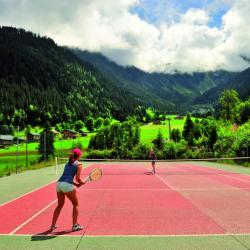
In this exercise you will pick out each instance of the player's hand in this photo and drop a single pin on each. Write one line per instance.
(77, 184)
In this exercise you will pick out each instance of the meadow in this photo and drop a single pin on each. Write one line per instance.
(12, 158)
(149, 131)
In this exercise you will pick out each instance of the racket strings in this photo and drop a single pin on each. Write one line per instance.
(95, 175)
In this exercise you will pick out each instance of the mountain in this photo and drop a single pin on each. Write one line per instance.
(239, 81)
(40, 81)
(169, 92)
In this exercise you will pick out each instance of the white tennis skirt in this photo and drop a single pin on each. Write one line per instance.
(64, 187)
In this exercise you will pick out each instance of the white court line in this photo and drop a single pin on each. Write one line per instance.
(19, 197)
(211, 189)
(124, 189)
(165, 189)
(202, 169)
(165, 182)
(214, 168)
(130, 235)
(193, 189)
(34, 216)
(235, 178)
(168, 235)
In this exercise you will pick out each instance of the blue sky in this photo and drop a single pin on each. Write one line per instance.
(158, 11)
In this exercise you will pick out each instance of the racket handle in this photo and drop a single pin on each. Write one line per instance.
(86, 179)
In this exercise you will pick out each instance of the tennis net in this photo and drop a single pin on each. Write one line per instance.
(164, 167)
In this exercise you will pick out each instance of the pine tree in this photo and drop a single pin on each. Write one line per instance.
(212, 137)
(90, 124)
(176, 135)
(188, 126)
(46, 146)
(229, 104)
(159, 141)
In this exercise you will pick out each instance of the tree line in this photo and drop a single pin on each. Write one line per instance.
(228, 135)
(40, 81)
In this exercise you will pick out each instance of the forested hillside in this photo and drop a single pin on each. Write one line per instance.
(40, 81)
(170, 92)
(240, 82)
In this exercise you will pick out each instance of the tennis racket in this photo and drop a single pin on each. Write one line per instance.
(95, 175)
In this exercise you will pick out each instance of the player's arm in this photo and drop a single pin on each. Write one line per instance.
(78, 176)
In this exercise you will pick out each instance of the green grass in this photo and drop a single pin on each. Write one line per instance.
(33, 146)
(69, 144)
(22, 133)
(8, 160)
(150, 112)
(59, 145)
(9, 165)
(226, 242)
(149, 132)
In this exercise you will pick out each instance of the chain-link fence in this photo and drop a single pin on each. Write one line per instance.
(23, 150)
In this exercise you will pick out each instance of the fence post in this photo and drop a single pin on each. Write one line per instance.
(17, 142)
(44, 149)
(247, 153)
(26, 152)
(56, 166)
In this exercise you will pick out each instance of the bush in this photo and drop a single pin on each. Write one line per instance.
(78, 144)
(102, 154)
(140, 152)
(224, 144)
(159, 141)
(79, 125)
(176, 135)
(192, 153)
(159, 154)
(169, 151)
(180, 149)
(242, 141)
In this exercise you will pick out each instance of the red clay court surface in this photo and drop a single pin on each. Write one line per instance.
(181, 199)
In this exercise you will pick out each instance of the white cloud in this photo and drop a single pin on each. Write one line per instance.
(185, 44)
(195, 17)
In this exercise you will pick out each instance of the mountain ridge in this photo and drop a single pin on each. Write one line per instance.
(177, 91)
(240, 82)
(40, 81)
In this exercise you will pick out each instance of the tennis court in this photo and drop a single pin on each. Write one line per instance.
(183, 199)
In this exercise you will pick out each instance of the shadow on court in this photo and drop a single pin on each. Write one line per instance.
(47, 235)
(148, 173)
(41, 237)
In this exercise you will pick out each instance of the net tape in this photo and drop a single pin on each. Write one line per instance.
(168, 167)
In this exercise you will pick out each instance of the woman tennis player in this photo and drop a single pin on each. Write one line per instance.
(65, 187)
(153, 157)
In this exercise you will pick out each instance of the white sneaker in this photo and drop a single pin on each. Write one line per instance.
(53, 227)
(77, 227)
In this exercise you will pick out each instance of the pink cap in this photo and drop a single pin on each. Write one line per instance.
(77, 151)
